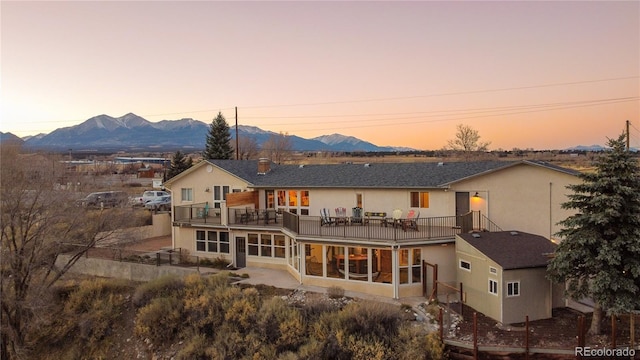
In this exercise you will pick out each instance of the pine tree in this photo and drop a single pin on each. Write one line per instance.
(599, 256)
(218, 144)
(179, 163)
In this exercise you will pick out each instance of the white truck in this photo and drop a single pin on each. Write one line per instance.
(148, 196)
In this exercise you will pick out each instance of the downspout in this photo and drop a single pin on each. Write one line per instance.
(550, 210)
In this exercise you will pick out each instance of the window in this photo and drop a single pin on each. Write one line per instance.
(492, 270)
(219, 194)
(278, 246)
(253, 244)
(212, 241)
(493, 287)
(270, 199)
(266, 245)
(265, 240)
(465, 265)
(513, 288)
(294, 201)
(186, 194)
(416, 267)
(419, 199)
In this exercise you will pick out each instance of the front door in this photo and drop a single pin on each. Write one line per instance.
(462, 206)
(241, 251)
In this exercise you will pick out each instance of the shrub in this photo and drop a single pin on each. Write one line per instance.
(280, 324)
(164, 286)
(194, 348)
(335, 292)
(160, 320)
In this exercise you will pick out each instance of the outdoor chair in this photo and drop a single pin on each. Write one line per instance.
(325, 217)
(396, 215)
(356, 216)
(410, 221)
(341, 216)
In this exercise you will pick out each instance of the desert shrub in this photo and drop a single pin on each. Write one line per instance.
(217, 263)
(335, 292)
(159, 320)
(280, 324)
(228, 344)
(164, 286)
(84, 320)
(413, 342)
(377, 319)
(315, 307)
(359, 348)
(241, 314)
(194, 348)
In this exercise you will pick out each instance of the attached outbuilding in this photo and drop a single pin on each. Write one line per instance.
(504, 275)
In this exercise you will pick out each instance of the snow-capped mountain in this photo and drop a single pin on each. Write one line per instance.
(132, 132)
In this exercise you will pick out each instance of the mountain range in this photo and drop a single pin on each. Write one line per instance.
(134, 133)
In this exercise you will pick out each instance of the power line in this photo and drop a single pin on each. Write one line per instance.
(456, 118)
(435, 113)
(444, 94)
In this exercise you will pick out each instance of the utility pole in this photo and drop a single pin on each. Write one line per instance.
(628, 143)
(238, 149)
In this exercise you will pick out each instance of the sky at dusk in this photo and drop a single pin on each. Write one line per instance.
(542, 75)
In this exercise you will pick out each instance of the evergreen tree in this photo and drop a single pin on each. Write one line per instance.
(599, 256)
(179, 163)
(218, 144)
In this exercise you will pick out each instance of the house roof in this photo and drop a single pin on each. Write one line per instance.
(512, 249)
(374, 175)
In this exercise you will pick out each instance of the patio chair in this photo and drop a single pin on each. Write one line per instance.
(356, 216)
(325, 217)
(341, 215)
(410, 221)
(396, 215)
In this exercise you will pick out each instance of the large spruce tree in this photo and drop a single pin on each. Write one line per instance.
(218, 144)
(599, 256)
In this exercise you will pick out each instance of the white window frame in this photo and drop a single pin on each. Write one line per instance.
(513, 291)
(186, 194)
(493, 287)
(461, 261)
(493, 271)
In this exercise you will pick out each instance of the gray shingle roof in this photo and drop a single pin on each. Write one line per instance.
(376, 175)
(519, 251)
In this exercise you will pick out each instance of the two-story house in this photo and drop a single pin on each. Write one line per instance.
(261, 214)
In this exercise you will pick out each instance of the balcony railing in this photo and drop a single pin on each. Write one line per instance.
(431, 228)
(196, 214)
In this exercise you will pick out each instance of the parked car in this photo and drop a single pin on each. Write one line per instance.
(104, 199)
(161, 203)
(148, 196)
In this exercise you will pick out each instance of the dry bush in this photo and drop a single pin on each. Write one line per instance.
(194, 348)
(164, 286)
(413, 342)
(160, 320)
(85, 321)
(335, 292)
(280, 324)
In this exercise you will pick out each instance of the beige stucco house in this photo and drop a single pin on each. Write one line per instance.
(260, 214)
(503, 275)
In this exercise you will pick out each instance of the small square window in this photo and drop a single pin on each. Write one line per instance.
(493, 270)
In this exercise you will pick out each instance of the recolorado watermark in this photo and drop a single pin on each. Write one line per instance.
(605, 351)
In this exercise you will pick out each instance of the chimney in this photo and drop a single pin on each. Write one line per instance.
(264, 166)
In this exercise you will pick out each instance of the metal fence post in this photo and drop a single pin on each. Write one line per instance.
(475, 336)
(526, 337)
